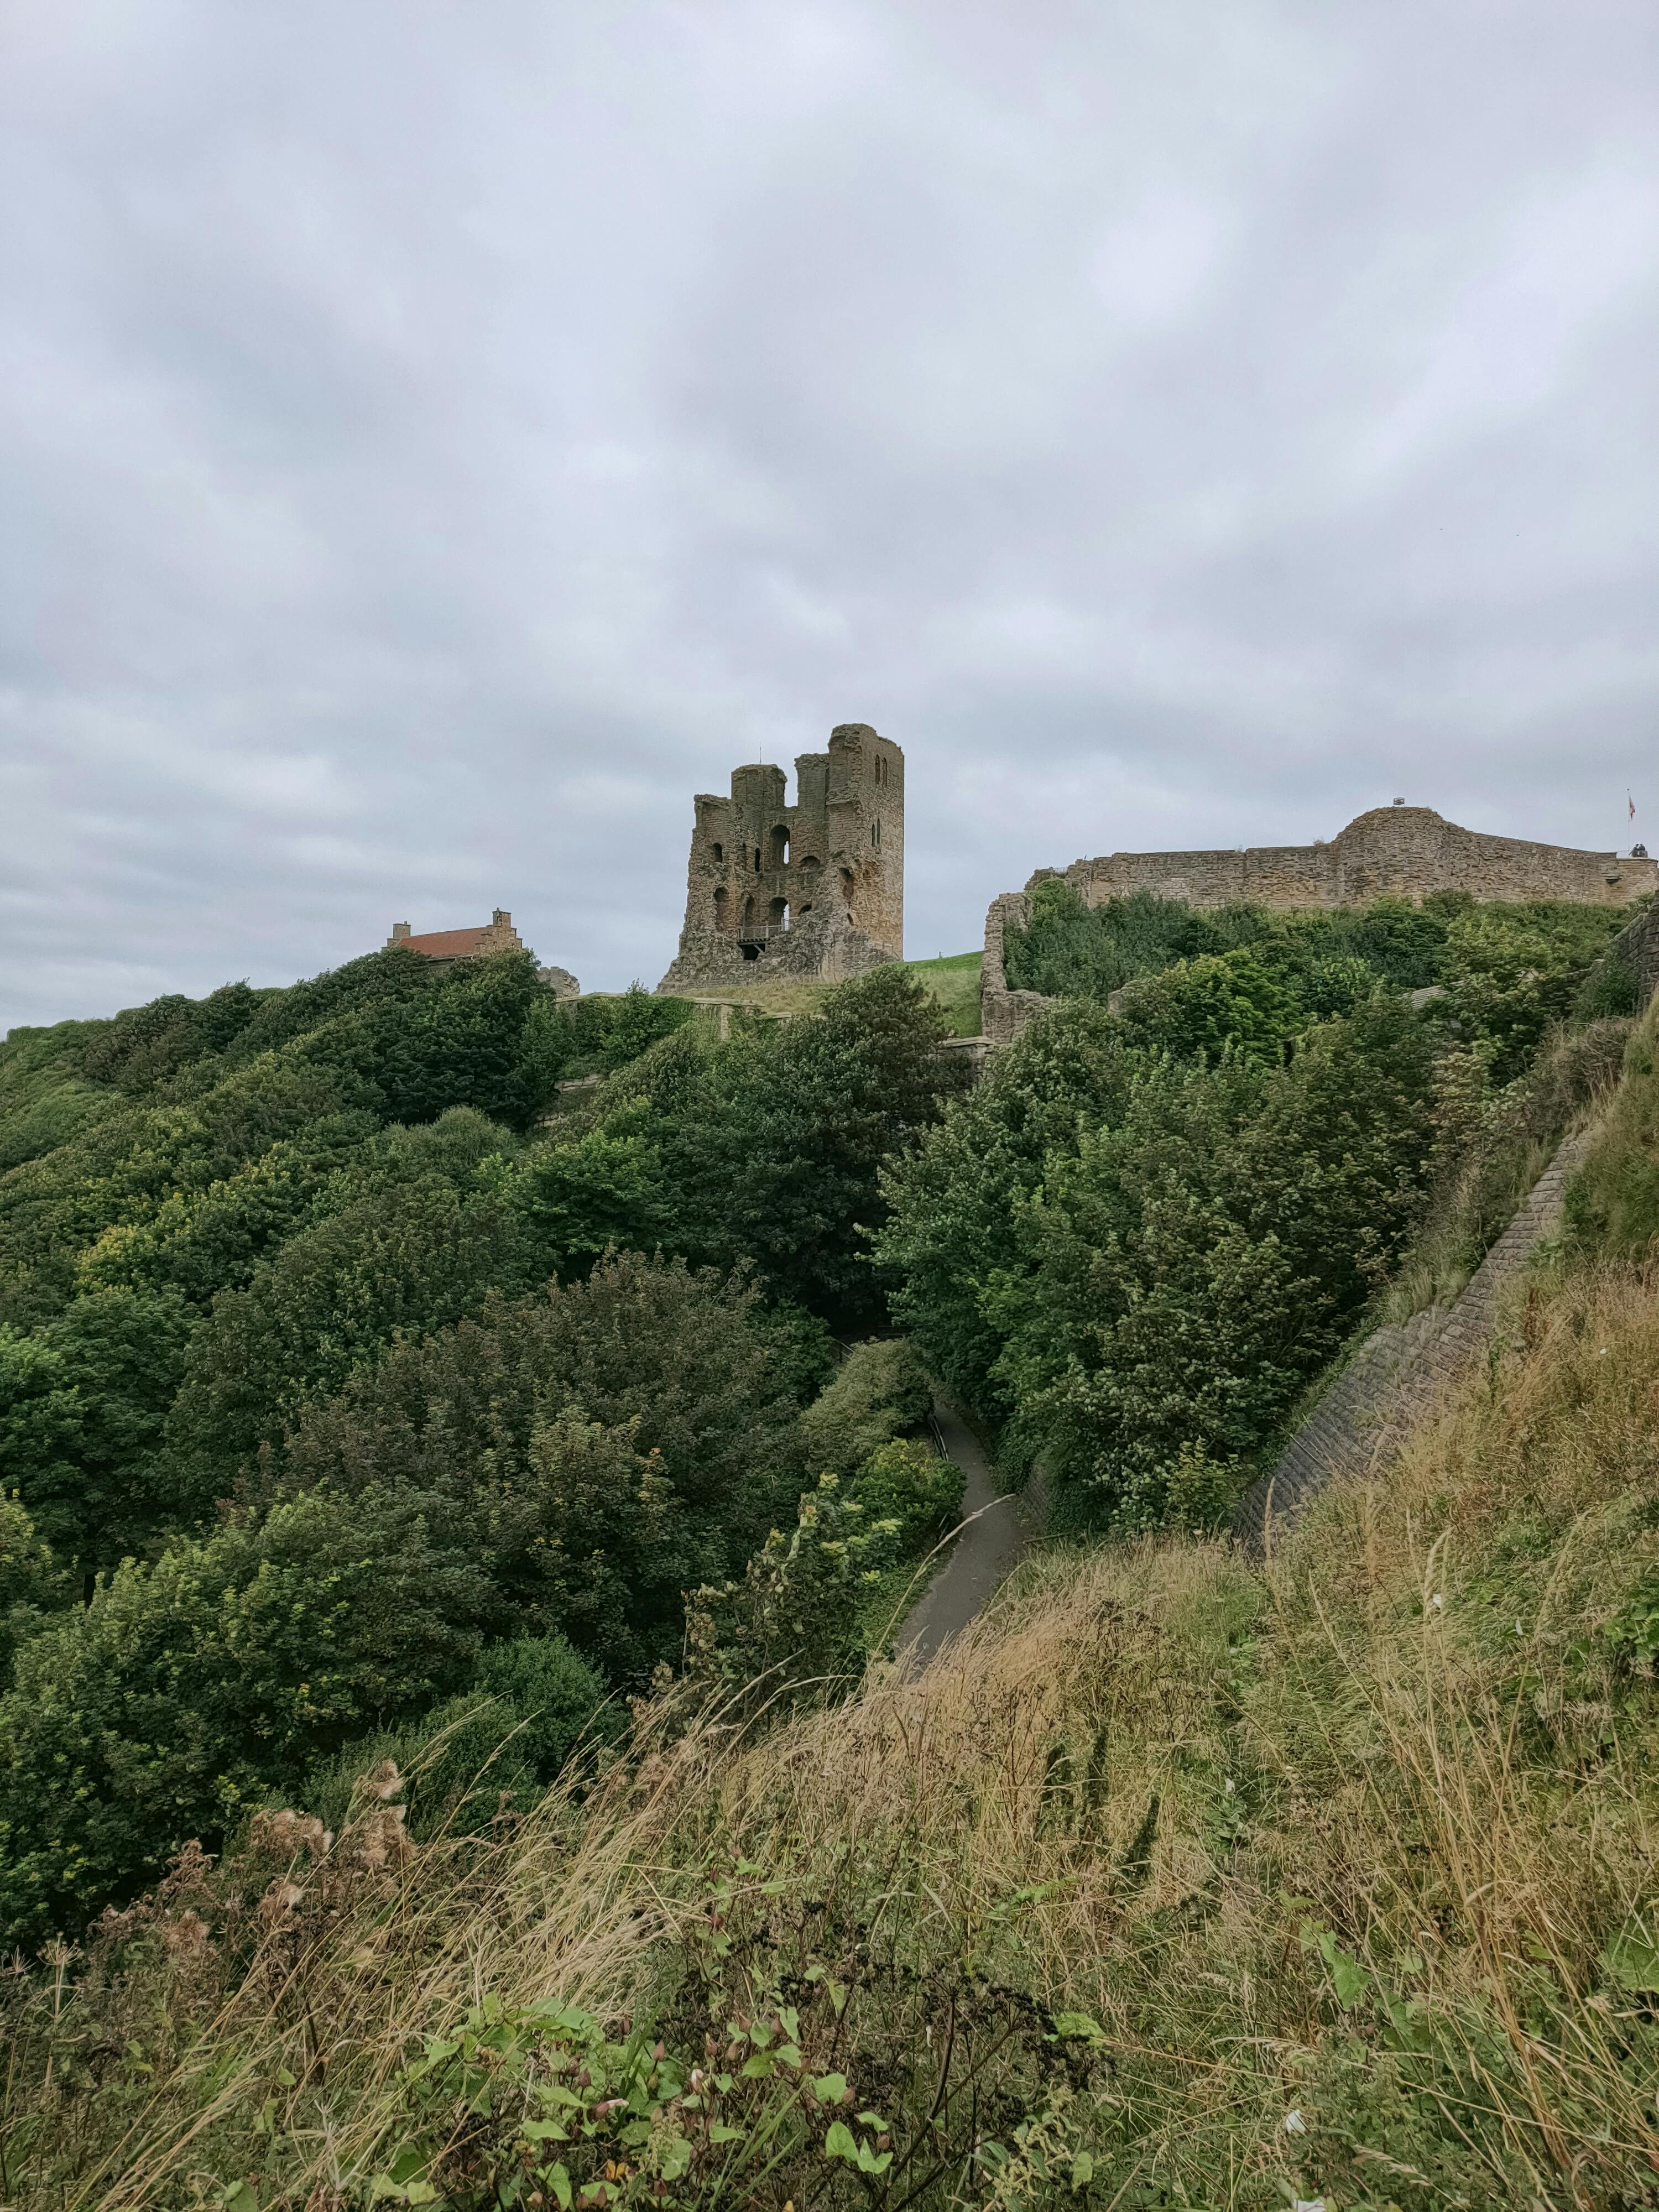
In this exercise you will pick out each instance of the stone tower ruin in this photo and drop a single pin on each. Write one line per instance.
(812, 890)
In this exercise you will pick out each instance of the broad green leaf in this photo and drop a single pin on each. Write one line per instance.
(840, 2142)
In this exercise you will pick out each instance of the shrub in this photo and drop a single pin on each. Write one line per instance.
(188, 1687)
(83, 1404)
(495, 1746)
(32, 1584)
(881, 1388)
(1190, 1269)
(907, 1483)
(636, 1417)
(953, 1200)
(405, 1259)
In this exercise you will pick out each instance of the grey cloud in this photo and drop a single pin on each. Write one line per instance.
(435, 440)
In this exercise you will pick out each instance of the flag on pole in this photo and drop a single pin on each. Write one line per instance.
(1631, 803)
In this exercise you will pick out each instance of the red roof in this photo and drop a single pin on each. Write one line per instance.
(447, 944)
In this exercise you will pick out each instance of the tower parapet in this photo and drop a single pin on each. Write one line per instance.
(814, 889)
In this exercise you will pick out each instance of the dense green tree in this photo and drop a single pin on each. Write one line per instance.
(772, 1144)
(646, 1394)
(190, 1687)
(45, 1099)
(881, 1388)
(1190, 1268)
(83, 1404)
(201, 1241)
(120, 1171)
(601, 1188)
(147, 1045)
(1072, 951)
(410, 1257)
(394, 976)
(1513, 972)
(952, 1201)
(32, 1583)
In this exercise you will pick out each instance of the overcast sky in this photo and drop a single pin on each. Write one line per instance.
(439, 436)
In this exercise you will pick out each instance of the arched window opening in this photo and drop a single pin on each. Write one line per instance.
(779, 856)
(722, 908)
(812, 861)
(758, 859)
(719, 851)
(846, 885)
(778, 915)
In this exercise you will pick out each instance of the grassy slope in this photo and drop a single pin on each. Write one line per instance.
(953, 981)
(1352, 1859)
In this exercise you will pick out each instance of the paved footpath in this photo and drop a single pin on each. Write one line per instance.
(991, 1540)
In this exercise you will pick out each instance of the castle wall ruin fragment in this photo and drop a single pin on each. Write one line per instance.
(1392, 852)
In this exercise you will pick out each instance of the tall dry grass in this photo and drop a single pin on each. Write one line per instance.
(1350, 1861)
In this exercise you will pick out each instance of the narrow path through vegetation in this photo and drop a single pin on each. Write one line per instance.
(985, 1548)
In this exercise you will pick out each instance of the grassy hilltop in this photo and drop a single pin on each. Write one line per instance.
(951, 982)
(450, 1755)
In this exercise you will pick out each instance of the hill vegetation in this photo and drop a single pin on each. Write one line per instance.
(1181, 1881)
(372, 1405)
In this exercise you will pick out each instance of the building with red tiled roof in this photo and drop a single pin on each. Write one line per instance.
(445, 946)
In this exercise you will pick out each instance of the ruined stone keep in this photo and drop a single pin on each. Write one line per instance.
(1392, 852)
(814, 890)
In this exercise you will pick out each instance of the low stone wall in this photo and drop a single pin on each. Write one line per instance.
(1400, 1373)
(1638, 948)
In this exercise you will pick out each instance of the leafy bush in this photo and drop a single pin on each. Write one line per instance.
(613, 1443)
(953, 1201)
(83, 1404)
(1191, 1269)
(793, 1619)
(189, 1686)
(44, 1100)
(496, 1746)
(907, 1483)
(32, 1584)
(881, 1388)
(1513, 972)
(411, 1259)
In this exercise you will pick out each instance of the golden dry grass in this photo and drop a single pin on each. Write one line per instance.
(1356, 1838)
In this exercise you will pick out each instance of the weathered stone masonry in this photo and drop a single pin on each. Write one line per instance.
(1393, 852)
(1403, 1370)
(814, 889)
